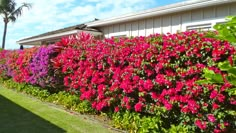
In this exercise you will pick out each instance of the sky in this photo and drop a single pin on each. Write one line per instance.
(48, 15)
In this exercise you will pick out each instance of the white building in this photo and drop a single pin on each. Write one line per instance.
(182, 16)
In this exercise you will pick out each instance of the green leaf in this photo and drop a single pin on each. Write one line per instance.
(224, 66)
(231, 19)
(231, 79)
(208, 74)
(141, 94)
(233, 43)
(231, 112)
(218, 78)
(204, 81)
(231, 91)
(227, 30)
(232, 70)
(218, 26)
(211, 77)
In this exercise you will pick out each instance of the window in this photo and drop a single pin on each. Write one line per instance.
(119, 36)
(202, 27)
(221, 23)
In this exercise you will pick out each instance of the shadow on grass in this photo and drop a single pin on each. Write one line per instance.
(15, 119)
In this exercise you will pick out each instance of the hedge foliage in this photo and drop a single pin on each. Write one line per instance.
(147, 81)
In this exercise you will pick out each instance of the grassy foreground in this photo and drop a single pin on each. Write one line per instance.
(22, 114)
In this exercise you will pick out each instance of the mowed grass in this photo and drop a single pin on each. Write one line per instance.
(22, 114)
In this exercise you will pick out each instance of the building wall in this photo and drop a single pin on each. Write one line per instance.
(204, 19)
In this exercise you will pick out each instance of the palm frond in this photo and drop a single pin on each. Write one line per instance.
(18, 12)
(7, 5)
(12, 18)
(11, 6)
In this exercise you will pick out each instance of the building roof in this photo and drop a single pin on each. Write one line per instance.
(159, 11)
(60, 32)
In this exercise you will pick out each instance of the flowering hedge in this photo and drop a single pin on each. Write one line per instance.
(18, 64)
(3, 67)
(33, 66)
(153, 76)
(42, 73)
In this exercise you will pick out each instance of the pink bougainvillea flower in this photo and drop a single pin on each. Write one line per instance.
(148, 85)
(221, 98)
(201, 124)
(154, 95)
(230, 59)
(214, 94)
(215, 106)
(117, 109)
(217, 131)
(211, 118)
(232, 101)
(138, 107)
(168, 106)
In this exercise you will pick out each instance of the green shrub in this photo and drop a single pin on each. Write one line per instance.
(63, 98)
(224, 79)
(227, 31)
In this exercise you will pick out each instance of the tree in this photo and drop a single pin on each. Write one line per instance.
(10, 12)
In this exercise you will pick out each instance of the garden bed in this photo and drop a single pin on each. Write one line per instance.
(144, 84)
(21, 113)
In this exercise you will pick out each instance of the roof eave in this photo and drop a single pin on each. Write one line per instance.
(174, 8)
(58, 35)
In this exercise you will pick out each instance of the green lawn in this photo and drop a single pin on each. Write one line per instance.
(22, 114)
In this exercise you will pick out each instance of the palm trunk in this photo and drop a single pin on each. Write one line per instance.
(4, 35)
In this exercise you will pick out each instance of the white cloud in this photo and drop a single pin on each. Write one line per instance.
(81, 10)
(47, 15)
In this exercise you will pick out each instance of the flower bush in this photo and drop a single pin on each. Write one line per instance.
(144, 73)
(18, 64)
(3, 67)
(41, 70)
(152, 78)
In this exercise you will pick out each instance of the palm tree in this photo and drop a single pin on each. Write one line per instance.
(10, 13)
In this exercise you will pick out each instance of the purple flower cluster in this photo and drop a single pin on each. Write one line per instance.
(41, 69)
(3, 66)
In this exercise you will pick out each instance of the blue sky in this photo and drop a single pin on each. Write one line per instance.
(48, 15)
